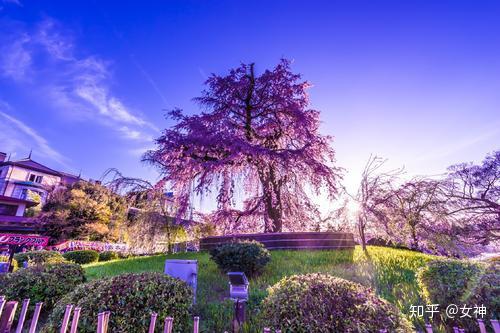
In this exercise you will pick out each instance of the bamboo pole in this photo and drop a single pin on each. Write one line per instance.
(168, 325)
(107, 314)
(22, 316)
(76, 317)
(495, 325)
(100, 322)
(196, 325)
(152, 323)
(67, 314)
(10, 309)
(2, 303)
(36, 315)
(482, 327)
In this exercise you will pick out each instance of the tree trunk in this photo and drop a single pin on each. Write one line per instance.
(272, 201)
(361, 229)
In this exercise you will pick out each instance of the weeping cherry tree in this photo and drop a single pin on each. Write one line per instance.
(257, 145)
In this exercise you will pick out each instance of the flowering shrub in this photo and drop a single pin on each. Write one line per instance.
(131, 298)
(317, 303)
(249, 257)
(108, 255)
(446, 281)
(39, 257)
(47, 283)
(82, 257)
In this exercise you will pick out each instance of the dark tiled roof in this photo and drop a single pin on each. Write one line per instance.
(28, 163)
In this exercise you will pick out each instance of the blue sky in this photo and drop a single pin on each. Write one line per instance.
(85, 83)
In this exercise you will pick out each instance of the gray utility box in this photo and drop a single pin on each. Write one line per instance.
(185, 270)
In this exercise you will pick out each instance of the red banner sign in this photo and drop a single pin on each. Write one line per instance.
(25, 240)
(90, 245)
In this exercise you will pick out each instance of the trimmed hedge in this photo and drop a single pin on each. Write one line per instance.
(108, 255)
(249, 257)
(39, 257)
(446, 281)
(82, 257)
(318, 303)
(487, 291)
(131, 298)
(47, 283)
(461, 282)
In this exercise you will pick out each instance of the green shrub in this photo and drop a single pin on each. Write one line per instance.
(486, 291)
(108, 255)
(249, 257)
(82, 257)
(131, 298)
(316, 303)
(47, 283)
(14, 262)
(39, 257)
(446, 281)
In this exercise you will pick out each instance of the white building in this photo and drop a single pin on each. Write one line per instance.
(22, 178)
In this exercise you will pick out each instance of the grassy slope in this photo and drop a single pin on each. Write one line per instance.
(390, 272)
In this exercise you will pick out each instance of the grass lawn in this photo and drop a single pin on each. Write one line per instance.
(390, 272)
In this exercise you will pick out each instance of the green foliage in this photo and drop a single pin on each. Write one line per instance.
(131, 298)
(249, 257)
(84, 211)
(390, 272)
(39, 257)
(108, 255)
(14, 262)
(42, 283)
(312, 302)
(82, 257)
(446, 281)
(487, 291)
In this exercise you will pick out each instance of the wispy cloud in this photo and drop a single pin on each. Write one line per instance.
(46, 56)
(459, 145)
(16, 135)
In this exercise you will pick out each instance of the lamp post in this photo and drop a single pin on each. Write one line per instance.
(238, 293)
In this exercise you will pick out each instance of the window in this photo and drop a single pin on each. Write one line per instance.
(9, 210)
(35, 179)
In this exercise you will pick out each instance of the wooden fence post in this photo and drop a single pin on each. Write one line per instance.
(152, 323)
(36, 314)
(67, 314)
(22, 316)
(76, 317)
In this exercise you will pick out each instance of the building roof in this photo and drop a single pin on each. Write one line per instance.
(28, 163)
(28, 203)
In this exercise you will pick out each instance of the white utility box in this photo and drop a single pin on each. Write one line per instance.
(185, 270)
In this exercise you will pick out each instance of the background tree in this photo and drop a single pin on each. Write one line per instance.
(374, 193)
(414, 210)
(85, 211)
(152, 224)
(473, 200)
(256, 134)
